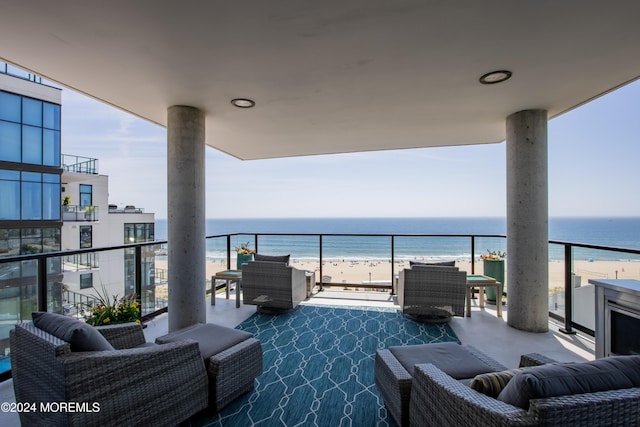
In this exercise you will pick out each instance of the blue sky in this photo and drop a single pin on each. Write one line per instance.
(593, 169)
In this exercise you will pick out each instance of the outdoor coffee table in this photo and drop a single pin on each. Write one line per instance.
(480, 281)
(229, 276)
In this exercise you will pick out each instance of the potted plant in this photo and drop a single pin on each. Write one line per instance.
(66, 204)
(244, 255)
(89, 212)
(494, 267)
(110, 311)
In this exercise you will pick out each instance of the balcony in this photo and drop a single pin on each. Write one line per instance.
(74, 213)
(128, 209)
(147, 271)
(79, 164)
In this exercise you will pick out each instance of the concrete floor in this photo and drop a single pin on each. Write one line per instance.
(483, 329)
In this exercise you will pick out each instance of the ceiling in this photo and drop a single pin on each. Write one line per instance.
(330, 76)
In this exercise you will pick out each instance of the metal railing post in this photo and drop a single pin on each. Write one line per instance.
(321, 276)
(228, 251)
(393, 266)
(473, 254)
(568, 293)
(138, 278)
(42, 284)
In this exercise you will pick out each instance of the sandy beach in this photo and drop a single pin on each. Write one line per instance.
(379, 272)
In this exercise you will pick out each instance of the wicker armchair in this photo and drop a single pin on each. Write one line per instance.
(273, 285)
(136, 384)
(432, 292)
(438, 399)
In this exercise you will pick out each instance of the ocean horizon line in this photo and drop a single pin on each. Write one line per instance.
(406, 217)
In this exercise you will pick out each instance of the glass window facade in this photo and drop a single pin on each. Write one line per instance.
(29, 130)
(30, 175)
(29, 195)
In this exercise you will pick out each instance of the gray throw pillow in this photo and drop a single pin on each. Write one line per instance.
(79, 335)
(551, 380)
(272, 258)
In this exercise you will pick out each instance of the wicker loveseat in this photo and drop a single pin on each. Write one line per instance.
(438, 399)
(135, 383)
(273, 285)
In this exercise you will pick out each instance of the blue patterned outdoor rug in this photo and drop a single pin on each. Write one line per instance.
(318, 366)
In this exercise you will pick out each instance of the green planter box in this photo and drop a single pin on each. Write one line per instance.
(494, 269)
(243, 259)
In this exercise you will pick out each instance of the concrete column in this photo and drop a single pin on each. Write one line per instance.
(186, 216)
(527, 221)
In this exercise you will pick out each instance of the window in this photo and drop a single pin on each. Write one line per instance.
(10, 191)
(50, 196)
(9, 242)
(86, 197)
(31, 145)
(51, 148)
(139, 232)
(31, 242)
(32, 112)
(29, 130)
(31, 195)
(10, 107)
(51, 116)
(86, 280)
(86, 236)
(9, 141)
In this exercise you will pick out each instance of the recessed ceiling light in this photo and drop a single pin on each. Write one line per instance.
(243, 102)
(495, 77)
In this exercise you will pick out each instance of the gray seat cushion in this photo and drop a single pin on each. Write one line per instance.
(440, 264)
(211, 339)
(451, 358)
(272, 258)
(611, 373)
(79, 335)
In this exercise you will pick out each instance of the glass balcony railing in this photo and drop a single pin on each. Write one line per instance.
(18, 72)
(66, 282)
(80, 213)
(79, 164)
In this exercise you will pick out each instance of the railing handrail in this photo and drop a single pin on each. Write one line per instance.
(67, 252)
(592, 246)
(357, 235)
(28, 257)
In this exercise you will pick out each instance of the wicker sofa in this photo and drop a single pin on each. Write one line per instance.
(394, 370)
(432, 292)
(134, 383)
(438, 399)
(273, 285)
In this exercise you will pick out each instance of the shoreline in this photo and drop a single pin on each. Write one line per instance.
(359, 272)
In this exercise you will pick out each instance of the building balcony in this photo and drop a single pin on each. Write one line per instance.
(80, 213)
(128, 209)
(79, 164)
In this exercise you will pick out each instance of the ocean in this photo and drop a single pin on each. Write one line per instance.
(621, 232)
